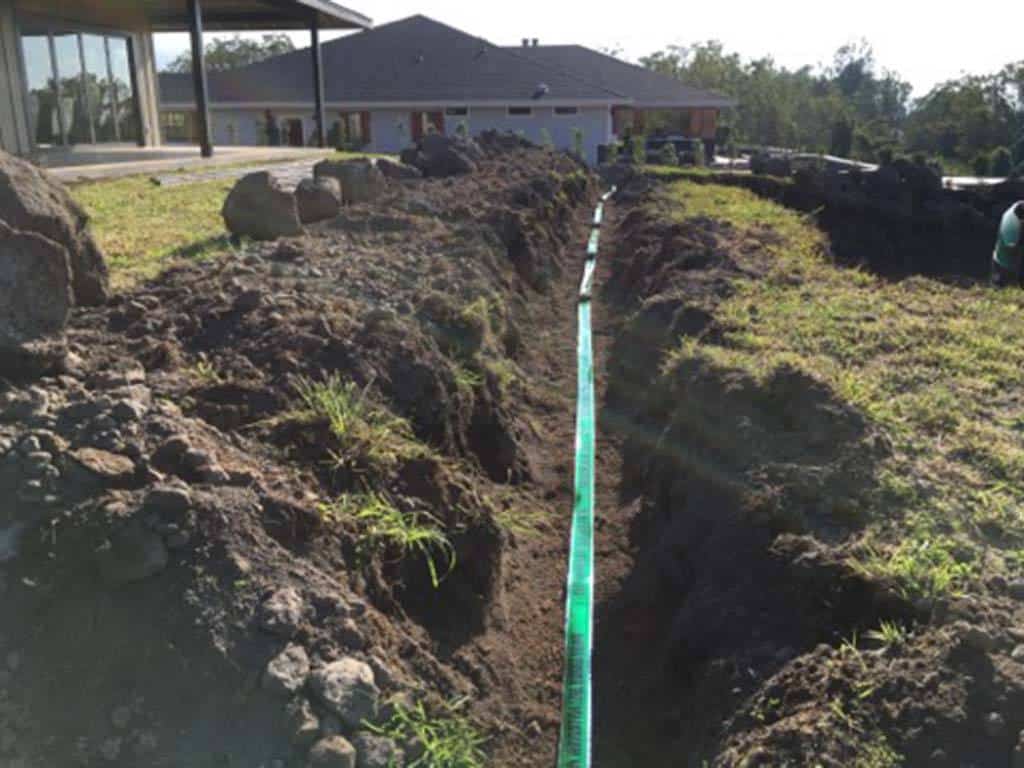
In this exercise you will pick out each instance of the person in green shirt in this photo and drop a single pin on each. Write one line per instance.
(1006, 259)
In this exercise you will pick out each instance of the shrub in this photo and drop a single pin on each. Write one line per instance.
(638, 146)
(980, 165)
(699, 158)
(667, 154)
(546, 140)
(1002, 162)
(613, 152)
(462, 129)
(577, 142)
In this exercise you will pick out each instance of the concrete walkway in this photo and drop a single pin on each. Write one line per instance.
(95, 162)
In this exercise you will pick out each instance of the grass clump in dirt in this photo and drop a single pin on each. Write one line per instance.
(383, 529)
(932, 366)
(448, 739)
(368, 434)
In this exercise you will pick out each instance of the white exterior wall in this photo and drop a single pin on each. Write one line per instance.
(390, 130)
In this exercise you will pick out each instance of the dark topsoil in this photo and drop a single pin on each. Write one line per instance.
(726, 644)
(163, 488)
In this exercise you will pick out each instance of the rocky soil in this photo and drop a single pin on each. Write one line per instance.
(187, 570)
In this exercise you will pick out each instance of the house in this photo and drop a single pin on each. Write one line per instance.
(387, 86)
(76, 74)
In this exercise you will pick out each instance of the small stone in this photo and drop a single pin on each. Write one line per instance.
(332, 752)
(287, 672)
(347, 688)
(1018, 653)
(534, 729)
(373, 751)
(127, 411)
(978, 638)
(1016, 589)
(197, 459)
(382, 673)
(107, 466)
(120, 717)
(351, 636)
(995, 725)
(305, 725)
(215, 475)
(283, 612)
(171, 501)
(247, 301)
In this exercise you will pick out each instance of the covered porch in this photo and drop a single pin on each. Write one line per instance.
(81, 81)
(691, 122)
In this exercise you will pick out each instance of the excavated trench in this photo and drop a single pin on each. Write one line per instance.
(720, 641)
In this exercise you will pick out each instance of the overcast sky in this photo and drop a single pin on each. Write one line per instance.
(925, 46)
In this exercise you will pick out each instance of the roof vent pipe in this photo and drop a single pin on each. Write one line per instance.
(535, 41)
(526, 42)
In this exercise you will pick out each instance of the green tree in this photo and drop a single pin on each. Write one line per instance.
(229, 53)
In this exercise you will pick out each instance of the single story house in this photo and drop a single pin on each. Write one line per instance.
(83, 73)
(387, 86)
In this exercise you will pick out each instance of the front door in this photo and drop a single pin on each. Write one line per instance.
(293, 128)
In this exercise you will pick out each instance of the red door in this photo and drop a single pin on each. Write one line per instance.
(364, 125)
(416, 125)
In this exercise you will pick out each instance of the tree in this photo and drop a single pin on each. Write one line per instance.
(232, 52)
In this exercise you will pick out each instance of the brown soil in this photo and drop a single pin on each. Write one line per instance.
(449, 304)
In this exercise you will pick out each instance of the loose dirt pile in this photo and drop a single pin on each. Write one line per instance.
(271, 494)
(763, 644)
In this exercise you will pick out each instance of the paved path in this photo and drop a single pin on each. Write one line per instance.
(289, 174)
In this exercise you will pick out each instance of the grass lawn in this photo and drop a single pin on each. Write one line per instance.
(938, 368)
(143, 228)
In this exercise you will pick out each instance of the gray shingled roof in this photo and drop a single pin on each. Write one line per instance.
(645, 87)
(413, 60)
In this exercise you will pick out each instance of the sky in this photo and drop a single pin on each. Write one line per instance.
(925, 46)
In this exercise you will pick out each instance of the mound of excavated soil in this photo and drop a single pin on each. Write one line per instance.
(178, 585)
(741, 593)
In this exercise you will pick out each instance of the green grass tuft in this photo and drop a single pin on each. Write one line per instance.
(449, 738)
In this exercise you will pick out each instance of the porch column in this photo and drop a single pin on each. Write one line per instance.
(195, 30)
(318, 82)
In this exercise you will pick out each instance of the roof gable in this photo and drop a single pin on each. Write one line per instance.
(644, 86)
(413, 60)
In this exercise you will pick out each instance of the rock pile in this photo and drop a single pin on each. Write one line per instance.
(439, 156)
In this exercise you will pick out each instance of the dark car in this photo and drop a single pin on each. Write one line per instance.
(686, 149)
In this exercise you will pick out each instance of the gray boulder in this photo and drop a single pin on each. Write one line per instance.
(373, 751)
(31, 201)
(258, 207)
(332, 752)
(283, 612)
(347, 688)
(36, 297)
(398, 171)
(286, 673)
(318, 199)
(440, 156)
(361, 180)
(134, 553)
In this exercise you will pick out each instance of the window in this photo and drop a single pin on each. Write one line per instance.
(456, 111)
(520, 111)
(567, 111)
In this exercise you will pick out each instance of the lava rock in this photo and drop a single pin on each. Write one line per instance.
(260, 208)
(31, 201)
(287, 672)
(347, 688)
(283, 612)
(373, 751)
(398, 171)
(361, 181)
(305, 725)
(332, 752)
(109, 468)
(318, 199)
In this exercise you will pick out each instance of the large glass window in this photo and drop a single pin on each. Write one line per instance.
(74, 108)
(80, 87)
(124, 94)
(42, 89)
